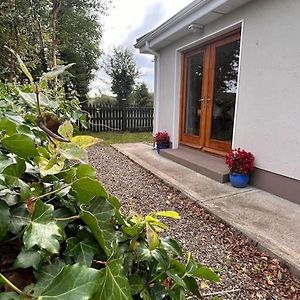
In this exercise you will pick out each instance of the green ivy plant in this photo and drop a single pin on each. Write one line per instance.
(61, 232)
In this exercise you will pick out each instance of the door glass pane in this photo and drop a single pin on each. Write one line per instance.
(194, 88)
(225, 86)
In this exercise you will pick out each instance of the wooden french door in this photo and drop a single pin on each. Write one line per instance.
(208, 92)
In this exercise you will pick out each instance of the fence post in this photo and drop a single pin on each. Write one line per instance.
(124, 115)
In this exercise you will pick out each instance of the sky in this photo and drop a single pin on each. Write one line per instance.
(127, 21)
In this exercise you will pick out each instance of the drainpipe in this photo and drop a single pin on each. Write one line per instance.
(156, 86)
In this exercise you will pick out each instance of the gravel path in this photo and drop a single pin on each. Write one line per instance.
(238, 262)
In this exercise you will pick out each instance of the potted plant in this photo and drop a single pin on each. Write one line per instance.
(162, 140)
(240, 164)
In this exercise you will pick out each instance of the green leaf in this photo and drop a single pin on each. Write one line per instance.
(152, 237)
(168, 214)
(84, 141)
(73, 152)
(101, 209)
(86, 189)
(30, 99)
(46, 274)
(9, 296)
(42, 231)
(14, 182)
(206, 273)
(136, 284)
(29, 258)
(17, 169)
(86, 170)
(161, 256)
(113, 283)
(19, 218)
(22, 65)
(73, 282)
(21, 145)
(171, 245)
(8, 126)
(82, 251)
(57, 71)
(178, 280)
(66, 130)
(5, 162)
(192, 285)
(5, 219)
(46, 168)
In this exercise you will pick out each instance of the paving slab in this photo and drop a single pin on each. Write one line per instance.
(270, 221)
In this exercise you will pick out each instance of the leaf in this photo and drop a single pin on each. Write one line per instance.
(29, 258)
(42, 231)
(9, 296)
(30, 99)
(171, 245)
(21, 145)
(73, 152)
(73, 282)
(136, 284)
(113, 284)
(152, 237)
(45, 163)
(161, 256)
(66, 130)
(168, 214)
(192, 285)
(86, 189)
(84, 141)
(46, 274)
(4, 219)
(206, 273)
(178, 280)
(82, 251)
(19, 218)
(14, 182)
(56, 71)
(85, 170)
(22, 65)
(8, 126)
(101, 209)
(5, 162)
(17, 169)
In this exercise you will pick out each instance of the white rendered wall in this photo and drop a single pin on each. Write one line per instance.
(268, 102)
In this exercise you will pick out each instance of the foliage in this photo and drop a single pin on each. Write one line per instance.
(162, 138)
(121, 68)
(26, 27)
(103, 99)
(67, 236)
(141, 95)
(240, 161)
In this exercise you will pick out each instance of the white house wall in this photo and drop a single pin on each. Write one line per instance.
(268, 102)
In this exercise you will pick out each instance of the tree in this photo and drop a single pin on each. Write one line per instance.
(121, 68)
(141, 95)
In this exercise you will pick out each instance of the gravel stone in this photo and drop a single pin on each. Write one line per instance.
(238, 262)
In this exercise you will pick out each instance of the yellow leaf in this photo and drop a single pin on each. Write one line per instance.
(84, 141)
(168, 214)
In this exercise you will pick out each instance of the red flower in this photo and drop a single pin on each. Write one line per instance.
(240, 161)
(162, 137)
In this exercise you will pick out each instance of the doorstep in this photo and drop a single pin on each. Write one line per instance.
(271, 222)
(201, 162)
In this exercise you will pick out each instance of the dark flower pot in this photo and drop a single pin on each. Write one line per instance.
(161, 146)
(239, 180)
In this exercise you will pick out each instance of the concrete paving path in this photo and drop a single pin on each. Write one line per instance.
(271, 222)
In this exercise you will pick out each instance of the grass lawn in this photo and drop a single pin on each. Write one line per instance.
(122, 137)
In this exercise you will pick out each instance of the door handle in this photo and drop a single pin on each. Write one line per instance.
(204, 102)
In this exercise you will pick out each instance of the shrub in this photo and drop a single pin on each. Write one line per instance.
(240, 161)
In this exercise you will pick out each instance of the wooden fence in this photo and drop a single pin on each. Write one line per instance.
(119, 118)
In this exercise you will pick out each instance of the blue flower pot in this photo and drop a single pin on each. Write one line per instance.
(239, 180)
(161, 146)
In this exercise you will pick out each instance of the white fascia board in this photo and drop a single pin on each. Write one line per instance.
(195, 11)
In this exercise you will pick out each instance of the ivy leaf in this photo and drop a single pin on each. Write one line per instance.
(9, 296)
(19, 218)
(161, 256)
(73, 152)
(21, 145)
(73, 282)
(29, 258)
(171, 245)
(66, 130)
(206, 273)
(86, 170)
(152, 237)
(46, 274)
(84, 141)
(8, 126)
(16, 169)
(46, 168)
(136, 284)
(30, 99)
(42, 231)
(5, 219)
(113, 284)
(86, 189)
(82, 251)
